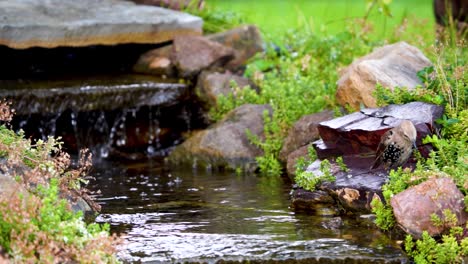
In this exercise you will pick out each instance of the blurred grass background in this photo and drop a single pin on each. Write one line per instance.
(274, 17)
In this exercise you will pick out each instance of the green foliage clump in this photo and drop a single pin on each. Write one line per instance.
(41, 228)
(36, 225)
(214, 20)
(309, 181)
(429, 250)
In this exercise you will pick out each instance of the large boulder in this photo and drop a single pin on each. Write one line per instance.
(392, 66)
(192, 54)
(414, 207)
(54, 23)
(225, 144)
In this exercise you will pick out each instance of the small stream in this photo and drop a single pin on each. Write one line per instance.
(203, 216)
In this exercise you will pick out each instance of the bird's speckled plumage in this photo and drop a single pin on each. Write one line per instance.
(396, 146)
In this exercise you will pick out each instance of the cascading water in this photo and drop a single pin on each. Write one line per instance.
(131, 116)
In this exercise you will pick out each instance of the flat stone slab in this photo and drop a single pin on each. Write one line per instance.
(53, 23)
(98, 93)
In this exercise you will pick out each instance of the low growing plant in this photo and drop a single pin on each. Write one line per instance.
(36, 224)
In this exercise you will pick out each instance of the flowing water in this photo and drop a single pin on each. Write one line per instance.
(204, 216)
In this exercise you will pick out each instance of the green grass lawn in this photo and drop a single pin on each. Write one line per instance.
(332, 16)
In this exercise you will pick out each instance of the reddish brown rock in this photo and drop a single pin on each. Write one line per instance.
(414, 206)
(246, 42)
(360, 132)
(303, 132)
(210, 85)
(192, 54)
(391, 66)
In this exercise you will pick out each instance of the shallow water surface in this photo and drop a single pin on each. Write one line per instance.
(202, 216)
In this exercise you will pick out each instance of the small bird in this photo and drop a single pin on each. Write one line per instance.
(396, 146)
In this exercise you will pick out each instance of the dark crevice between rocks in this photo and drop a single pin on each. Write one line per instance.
(70, 62)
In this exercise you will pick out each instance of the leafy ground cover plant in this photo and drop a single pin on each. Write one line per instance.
(36, 224)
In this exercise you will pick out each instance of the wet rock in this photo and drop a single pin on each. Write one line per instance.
(51, 97)
(246, 41)
(225, 144)
(360, 132)
(303, 132)
(53, 23)
(192, 54)
(414, 206)
(391, 66)
(353, 190)
(210, 85)
(318, 202)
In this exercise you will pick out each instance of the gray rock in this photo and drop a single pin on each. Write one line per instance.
(210, 85)
(225, 144)
(192, 54)
(414, 206)
(246, 41)
(394, 65)
(53, 23)
(303, 132)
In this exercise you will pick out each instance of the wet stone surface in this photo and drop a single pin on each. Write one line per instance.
(214, 217)
(91, 93)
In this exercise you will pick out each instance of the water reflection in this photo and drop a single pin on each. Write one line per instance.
(178, 216)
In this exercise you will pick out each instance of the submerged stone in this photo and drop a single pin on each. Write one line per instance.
(53, 23)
